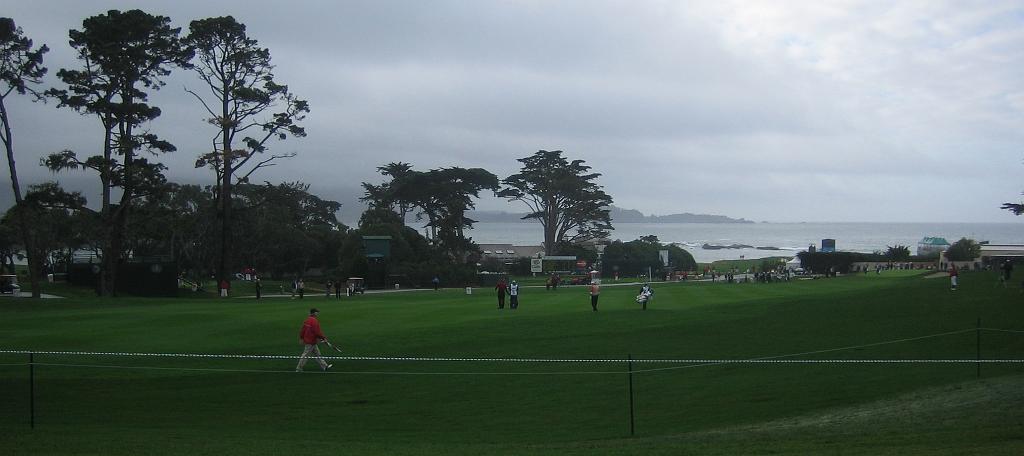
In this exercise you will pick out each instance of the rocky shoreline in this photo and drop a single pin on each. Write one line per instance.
(735, 246)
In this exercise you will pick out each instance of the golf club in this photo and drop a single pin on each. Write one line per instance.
(329, 344)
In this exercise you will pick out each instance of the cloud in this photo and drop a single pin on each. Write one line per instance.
(839, 110)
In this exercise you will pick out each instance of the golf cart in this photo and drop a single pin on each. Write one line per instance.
(356, 285)
(9, 284)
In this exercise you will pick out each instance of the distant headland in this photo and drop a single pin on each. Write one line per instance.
(618, 215)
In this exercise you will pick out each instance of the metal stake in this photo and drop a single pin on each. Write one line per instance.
(632, 424)
(31, 390)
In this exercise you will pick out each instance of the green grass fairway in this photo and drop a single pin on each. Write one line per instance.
(135, 405)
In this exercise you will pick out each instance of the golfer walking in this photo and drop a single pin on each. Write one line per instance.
(311, 335)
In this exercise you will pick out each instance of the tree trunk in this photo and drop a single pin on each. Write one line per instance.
(106, 217)
(26, 235)
(119, 216)
(550, 228)
(111, 260)
(225, 228)
(225, 191)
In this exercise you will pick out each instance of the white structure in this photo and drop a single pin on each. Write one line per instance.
(510, 252)
(991, 255)
(793, 264)
(989, 251)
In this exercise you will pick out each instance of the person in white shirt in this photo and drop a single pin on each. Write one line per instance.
(513, 293)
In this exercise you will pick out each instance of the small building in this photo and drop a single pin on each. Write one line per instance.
(991, 256)
(828, 245)
(378, 252)
(510, 252)
(931, 246)
(995, 254)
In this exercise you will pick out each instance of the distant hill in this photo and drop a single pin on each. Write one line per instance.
(634, 216)
(618, 215)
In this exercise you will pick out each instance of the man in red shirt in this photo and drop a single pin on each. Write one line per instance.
(311, 335)
(501, 287)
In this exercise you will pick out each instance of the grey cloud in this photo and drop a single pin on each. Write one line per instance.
(728, 108)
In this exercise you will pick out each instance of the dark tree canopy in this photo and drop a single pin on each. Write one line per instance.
(286, 229)
(394, 195)
(122, 54)
(963, 250)
(563, 196)
(246, 105)
(897, 253)
(21, 69)
(442, 196)
(1016, 208)
(639, 256)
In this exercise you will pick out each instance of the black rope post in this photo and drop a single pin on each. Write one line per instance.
(977, 344)
(31, 391)
(632, 424)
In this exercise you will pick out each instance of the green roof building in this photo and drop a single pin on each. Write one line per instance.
(932, 245)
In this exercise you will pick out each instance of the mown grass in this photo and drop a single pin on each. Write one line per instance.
(371, 407)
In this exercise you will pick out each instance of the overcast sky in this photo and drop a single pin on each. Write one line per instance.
(778, 111)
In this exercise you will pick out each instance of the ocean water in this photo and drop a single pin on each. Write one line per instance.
(790, 238)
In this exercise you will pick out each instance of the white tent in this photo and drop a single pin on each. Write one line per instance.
(793, 264)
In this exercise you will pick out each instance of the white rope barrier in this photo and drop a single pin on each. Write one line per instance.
(512, 360)
(518, 360)
(690, 362)
(875, 344)
(697, 363)
(333, 372)
(1001, 330)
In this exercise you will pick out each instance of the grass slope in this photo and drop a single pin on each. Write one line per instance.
(233, 406)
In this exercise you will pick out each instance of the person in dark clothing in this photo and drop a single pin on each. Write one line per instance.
(1007, 272)
(501, 287)
(436, 281)
(337, 289)
(259, 288)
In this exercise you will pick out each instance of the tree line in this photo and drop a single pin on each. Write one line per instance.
(123, 58)
(963, 249)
